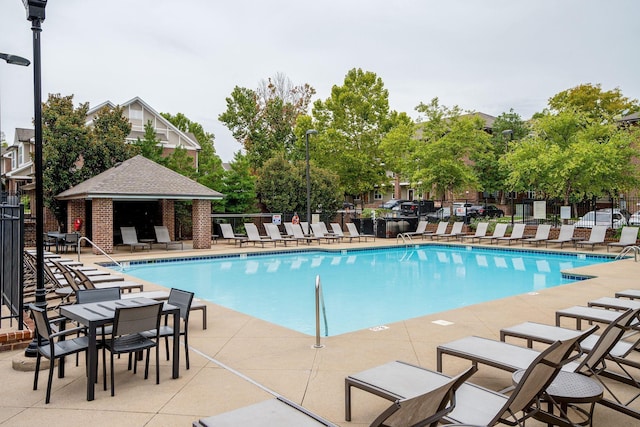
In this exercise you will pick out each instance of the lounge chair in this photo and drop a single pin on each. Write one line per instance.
(296, 230)
(337, 231)
(537, 332)
(273, 412)
(274, 234)
(565, 235)
(421, 228)
(598, 233)
(317, 232)
(474, 405)
(442, 229)
(162, 237)
(628, 237)
(417, 407)
(254, 236)
(456, 230)
(542, 235)
(305, 228)
(353, 232)
(499, 231)
(516, 234)
(230, 236)
(130, 238)
(481, 231)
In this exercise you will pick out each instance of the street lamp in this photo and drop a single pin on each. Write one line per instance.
(306, 135)
(15, 60)
(35, 14)
(508, 136)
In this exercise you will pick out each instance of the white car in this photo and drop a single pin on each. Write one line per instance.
(602, 217)
(634, 219)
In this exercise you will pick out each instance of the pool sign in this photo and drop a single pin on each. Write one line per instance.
(276, 219)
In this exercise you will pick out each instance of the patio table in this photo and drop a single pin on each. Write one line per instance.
(59, 239)
(94, 315)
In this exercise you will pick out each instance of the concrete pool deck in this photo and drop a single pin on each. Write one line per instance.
(238, 358)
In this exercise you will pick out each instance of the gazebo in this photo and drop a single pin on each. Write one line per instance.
(137, 192)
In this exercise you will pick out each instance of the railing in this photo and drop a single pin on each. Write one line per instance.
(626, 250)
(404, 237)
(99, 249)
(320, 302)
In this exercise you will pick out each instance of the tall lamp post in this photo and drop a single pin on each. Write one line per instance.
(16, 60)
(306, 136)
(35, 14)
(508, 136)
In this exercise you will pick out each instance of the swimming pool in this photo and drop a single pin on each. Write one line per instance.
(362, 288)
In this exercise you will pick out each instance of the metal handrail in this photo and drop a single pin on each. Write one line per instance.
(98, 248)
(319, 302)
(627, 249)
(404, 237)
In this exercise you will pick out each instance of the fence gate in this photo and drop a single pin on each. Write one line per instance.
(11, 247)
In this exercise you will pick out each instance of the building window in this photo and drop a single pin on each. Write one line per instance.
(135, 114)
(20, 154)
(377, 195)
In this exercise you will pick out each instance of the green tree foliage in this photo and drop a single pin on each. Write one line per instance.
(108, 147)
(263, 120)
(150, 146)
(596, 105)
(573, 157)
(65, 139)
(447, 141)
(506, 128)
(210, 171)
(238, 186)
(351, 124)
(282, 187)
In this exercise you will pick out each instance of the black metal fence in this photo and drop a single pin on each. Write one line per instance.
(11, 249)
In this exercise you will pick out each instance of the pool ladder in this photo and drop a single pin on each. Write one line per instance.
(626, 250)
(320, 303)
(404, 237)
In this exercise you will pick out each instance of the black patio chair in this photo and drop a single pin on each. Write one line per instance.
(51, 346)
(127, 338)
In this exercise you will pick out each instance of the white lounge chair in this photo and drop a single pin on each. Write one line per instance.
(628, 237)
(274, 234)
(353, 232)
(162, 237)
(130, 238)
(598, 233)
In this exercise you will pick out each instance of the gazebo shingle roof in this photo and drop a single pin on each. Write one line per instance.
(140, 178)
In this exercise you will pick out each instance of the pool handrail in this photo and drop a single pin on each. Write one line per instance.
(319, 302)
(99, 249)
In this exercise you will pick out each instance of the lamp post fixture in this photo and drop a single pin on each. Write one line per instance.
(508, 136)
(15, 60)
(306, 136)
(35, 14)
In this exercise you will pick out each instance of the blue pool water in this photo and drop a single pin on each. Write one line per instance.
(362, 288)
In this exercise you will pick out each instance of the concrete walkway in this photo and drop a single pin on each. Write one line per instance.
(239, 360)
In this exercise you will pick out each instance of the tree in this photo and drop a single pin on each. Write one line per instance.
(282, 187)
(210, 171)
(572, 157)
(351, 124)
(600, 106)
(65, 139)
(239, 186)
(263, 120)
(108, 147)
(447, 141)
(150, 146)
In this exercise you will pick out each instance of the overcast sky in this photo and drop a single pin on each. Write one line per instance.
(187, 55)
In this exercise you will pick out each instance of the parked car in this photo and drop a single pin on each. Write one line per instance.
(490, 211)
(441, 214)
(634, 219)
(602, 217)
(393, 204)
(421, 207)
(462, 209)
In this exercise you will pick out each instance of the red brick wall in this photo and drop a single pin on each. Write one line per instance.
(201, 217)
(102, 224)
(75, 209)
(168, 217)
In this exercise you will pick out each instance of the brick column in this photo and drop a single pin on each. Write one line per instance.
(201, 218)
(75, 209)
(168, 217)
(102, 224)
